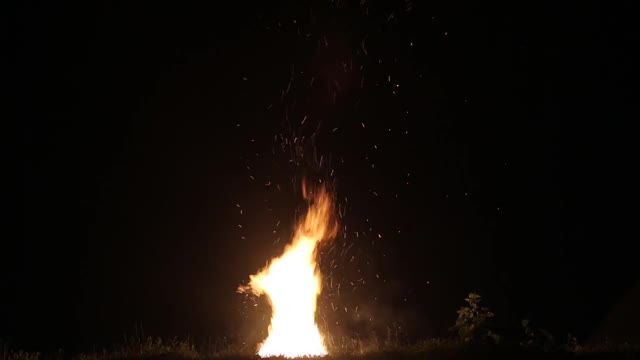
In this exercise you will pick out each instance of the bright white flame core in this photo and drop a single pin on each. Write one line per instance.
(292, 284)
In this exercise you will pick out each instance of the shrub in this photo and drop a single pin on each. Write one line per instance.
(472, 324)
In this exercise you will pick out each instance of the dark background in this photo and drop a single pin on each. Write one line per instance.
(474, 146)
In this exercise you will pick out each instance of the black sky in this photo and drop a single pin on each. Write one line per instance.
(474, 147)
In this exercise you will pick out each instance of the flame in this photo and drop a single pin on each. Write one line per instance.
(292, 282)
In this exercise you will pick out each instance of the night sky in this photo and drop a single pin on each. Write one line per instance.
(471, 147)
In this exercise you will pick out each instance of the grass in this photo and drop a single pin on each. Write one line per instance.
(150, 348)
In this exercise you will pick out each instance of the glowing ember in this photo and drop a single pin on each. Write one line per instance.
(292, 284)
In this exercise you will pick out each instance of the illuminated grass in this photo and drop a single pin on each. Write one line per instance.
(434, 349)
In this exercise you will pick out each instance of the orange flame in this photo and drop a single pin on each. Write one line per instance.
(292, 282)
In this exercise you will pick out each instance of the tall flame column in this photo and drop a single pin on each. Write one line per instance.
(292, 282)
